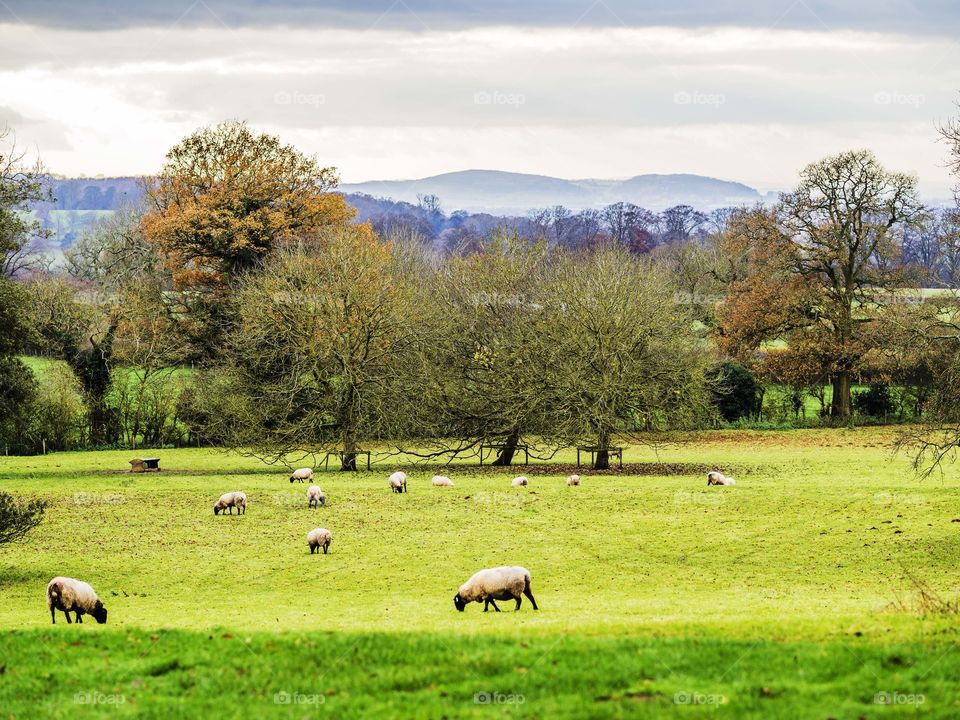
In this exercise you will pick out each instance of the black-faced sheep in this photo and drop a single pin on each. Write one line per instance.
(231, 500)
(398, 482)
(715, 477)
(442, 481)
(315, 496)
(573, 480)
(319, 538)
(499, 583)
(71, 595)
(302, 474)
(519, 481)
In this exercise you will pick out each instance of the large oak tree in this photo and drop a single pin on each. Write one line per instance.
(821, 263)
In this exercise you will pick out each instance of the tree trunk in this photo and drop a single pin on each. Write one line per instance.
(602, 460)
(505, 456)
(840, 406)
(92, 368)
(348, 462)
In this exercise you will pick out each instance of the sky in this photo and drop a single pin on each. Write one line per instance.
(389, 89)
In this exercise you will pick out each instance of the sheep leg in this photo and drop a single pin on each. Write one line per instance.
(79, 617)
(491, 602)
(53, 615)
(325, 548)
(526, 591)
(67, 613)
(519, 600)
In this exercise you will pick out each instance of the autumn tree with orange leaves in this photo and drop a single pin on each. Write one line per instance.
(223, 200)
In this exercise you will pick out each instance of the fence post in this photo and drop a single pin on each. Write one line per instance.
(44, 441)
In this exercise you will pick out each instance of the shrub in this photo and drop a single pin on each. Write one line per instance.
(18, 518)
(18, 395)
(735, 392)
(876, 401)
(60, 415)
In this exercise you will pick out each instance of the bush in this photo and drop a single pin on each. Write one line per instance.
(60, 415)
(18, 395)
(18, 518)
(876, 401)
(735, 392)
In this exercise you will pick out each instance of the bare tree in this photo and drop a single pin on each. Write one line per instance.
(20, 185)
(842, 224)
(323, 332)
(618, 359)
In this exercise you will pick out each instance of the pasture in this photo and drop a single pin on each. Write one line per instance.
(794, 593)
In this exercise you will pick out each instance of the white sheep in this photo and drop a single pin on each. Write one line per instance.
(302, 474)
(520, 481)
(315, 496)
(714, 477)
(398, 482)
(231, 500)
(442, 481)
(319, 538)
(71, 595)
(499, 583)
(573, 480)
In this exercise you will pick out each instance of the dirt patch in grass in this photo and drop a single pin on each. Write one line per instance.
(652, 469)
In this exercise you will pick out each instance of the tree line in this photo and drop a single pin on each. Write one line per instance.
(307, 331)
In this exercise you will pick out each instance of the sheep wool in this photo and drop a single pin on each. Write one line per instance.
(519, 481)
(319, 538)
(302, 474)
(398, 482)
(315, 496)
(499, 583)
(714, 477)
(231, 500)
(442, 481)
(72, 595)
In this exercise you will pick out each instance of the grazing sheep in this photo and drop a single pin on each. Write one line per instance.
(398, 482)
(519, 481)
(442, 481)
(573, 480)
(315, 496)
(67, 594)
(500, 583)
(319, 538)
(231, 500)
(302, 474)
(715, 477)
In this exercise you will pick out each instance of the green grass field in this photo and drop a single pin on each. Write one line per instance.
(785, 596)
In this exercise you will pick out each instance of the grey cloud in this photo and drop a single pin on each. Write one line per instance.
(916, 16)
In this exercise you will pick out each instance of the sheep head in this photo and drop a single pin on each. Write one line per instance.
(459, 602)
(99, 613)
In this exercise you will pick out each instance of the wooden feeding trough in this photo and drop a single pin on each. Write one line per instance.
(139, 465)
(612, 452)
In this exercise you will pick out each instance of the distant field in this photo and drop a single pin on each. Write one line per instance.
(773, 598)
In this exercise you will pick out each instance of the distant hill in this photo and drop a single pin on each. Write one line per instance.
(80, 202)
(498, 192)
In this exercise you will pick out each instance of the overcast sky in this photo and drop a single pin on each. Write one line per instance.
(748, 91)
